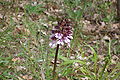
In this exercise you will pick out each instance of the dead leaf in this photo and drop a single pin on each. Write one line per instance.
(42, 74)
(21, 30)
(63, 78)
(27, 77)
(16, 59)
(20, 68)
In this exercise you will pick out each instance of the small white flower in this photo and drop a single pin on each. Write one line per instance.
(66, 40)
(53, 44)
(70, 36)
(60, 42)
(58, 35)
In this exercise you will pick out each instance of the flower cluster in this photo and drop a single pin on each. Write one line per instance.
(61, 34)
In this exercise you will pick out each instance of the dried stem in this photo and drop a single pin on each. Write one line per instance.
(55, 61)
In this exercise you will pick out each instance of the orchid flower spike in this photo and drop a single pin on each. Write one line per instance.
(61, 34)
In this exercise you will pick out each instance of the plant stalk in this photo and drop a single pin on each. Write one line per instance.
(55, 61)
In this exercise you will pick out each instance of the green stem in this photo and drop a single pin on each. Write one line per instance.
(55, 61)
(101, 76)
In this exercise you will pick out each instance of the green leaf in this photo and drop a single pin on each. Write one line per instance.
(68, 61)
(95, 56)
(34, 9)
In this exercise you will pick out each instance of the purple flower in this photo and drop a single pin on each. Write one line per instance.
(61, 34)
